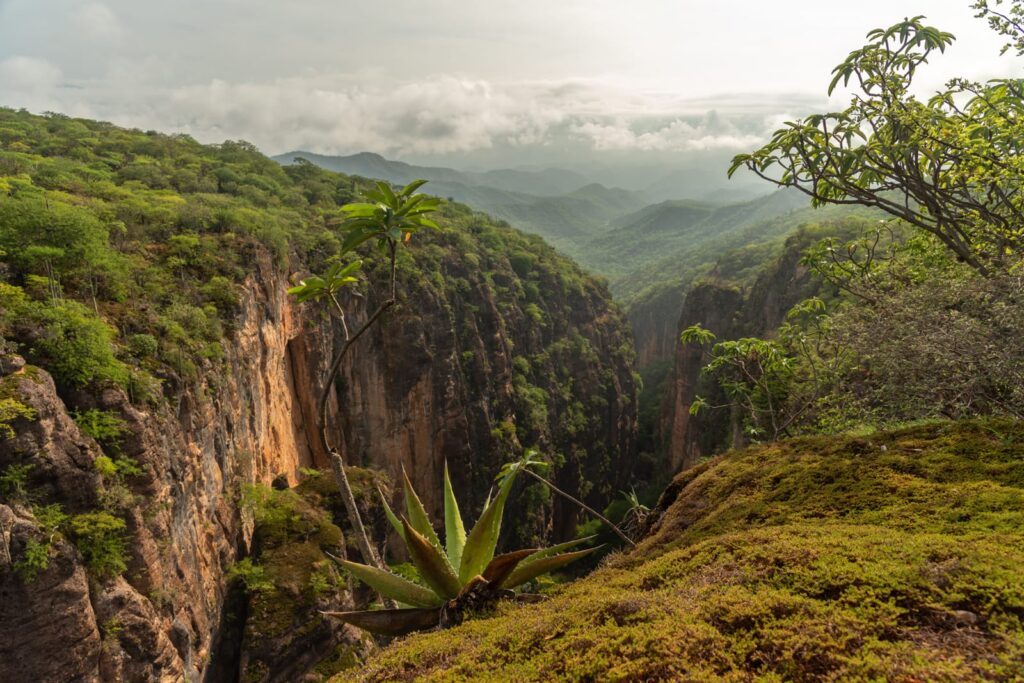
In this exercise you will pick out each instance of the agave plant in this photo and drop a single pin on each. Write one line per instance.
(461, 576)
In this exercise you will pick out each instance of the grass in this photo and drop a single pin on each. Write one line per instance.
(896, 556)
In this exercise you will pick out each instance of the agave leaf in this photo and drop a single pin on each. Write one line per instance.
(556, 549)
(391, 622)
(392, 517)
(432, 564)
(454, 531)
(392, 585)
(480, 544)
(418, 518)
(502, 565)
(531, 570)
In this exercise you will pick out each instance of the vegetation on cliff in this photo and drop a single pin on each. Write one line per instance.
(895, 556)
(126, 256)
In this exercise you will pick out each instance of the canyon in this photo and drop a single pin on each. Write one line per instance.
(497, 343)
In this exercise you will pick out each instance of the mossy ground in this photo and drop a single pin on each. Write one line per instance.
(898, 556)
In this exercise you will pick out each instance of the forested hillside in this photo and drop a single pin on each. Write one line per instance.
(147, 275)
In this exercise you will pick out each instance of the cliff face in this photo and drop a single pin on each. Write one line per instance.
(685, 436)
(653, 320)
(444, 376)
(481, 360)
(730, 313)
(160, 621)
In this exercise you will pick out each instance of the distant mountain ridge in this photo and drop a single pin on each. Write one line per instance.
(673, 233)
(547, 182)
(563, 207)
(611, 231)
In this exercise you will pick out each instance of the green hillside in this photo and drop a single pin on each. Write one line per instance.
(560, 206)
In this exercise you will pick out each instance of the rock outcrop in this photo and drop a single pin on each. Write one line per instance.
(48, 628)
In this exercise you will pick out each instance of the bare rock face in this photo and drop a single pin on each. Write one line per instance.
(654, 322)
(137, 643)
(66, 473)
(716, 308)
(48, 630)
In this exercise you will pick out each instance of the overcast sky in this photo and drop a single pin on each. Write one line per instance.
(485, 80)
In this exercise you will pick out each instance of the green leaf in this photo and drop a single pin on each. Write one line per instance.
(556, 549)
(359, 208)
(412, 187)
(391, 585)
(389, 194)
(531, 570)
(417, 514)
(431, 563)
(480, 544)
(427, 223)
(389, 513)
(356, 238)
(454, 531)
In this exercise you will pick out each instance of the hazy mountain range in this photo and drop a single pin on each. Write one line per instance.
(628, 236)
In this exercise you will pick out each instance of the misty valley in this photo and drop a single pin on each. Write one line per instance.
(521, 384)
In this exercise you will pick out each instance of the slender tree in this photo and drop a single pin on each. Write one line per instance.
(387, 218)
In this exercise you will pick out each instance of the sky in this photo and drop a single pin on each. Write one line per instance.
(482, 83)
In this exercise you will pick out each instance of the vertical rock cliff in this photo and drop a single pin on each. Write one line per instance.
(730, 312)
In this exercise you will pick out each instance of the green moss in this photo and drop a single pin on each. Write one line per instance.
(344, 658)
(898, 556)
(295, 577)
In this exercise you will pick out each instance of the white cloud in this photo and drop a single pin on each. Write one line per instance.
(492, 79)
(435, 116)
(713, 132)
(98, 21)
(445, 115)
(28, 74)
